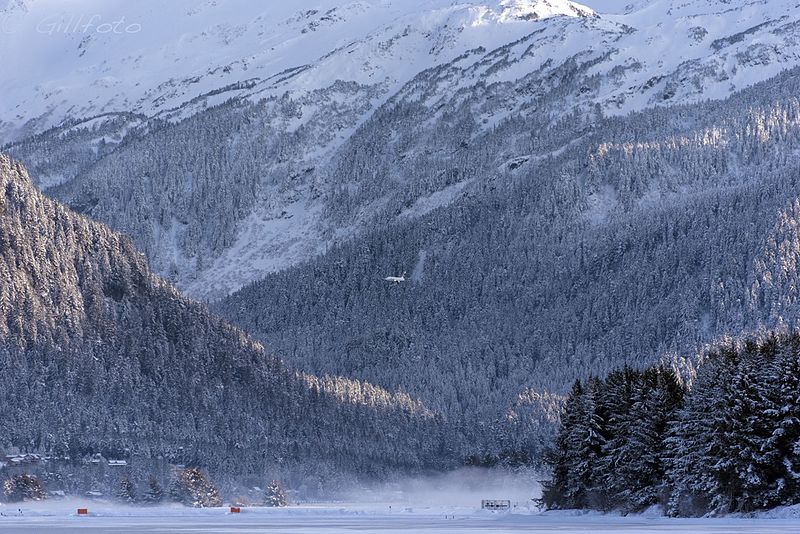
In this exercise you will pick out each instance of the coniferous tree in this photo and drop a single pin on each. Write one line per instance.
(155, 494)
(590, 437)
(126, 491)
(192, 487)
(749, 421)
(785, 438)
(562, 489)
(728, 445)
(620, 388)
(696, 438)
(23, 488)
(659, 395)
(274, 496)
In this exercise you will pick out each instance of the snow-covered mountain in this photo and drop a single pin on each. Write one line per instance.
(221, 135)
(109, 357)
(644, 237)
(68, 60)
(568, 188)
(81, 59)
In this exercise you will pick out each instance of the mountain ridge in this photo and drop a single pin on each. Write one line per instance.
(113, 360)
(643, 240)
(267, 196)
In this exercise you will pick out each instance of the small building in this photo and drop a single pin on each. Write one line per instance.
(24, 459)
(495, 504)
(95, 459)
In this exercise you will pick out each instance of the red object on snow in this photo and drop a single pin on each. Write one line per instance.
(235, 510)
(83, 511)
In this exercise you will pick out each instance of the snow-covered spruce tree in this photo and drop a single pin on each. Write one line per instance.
(126, 491)
(746, 458)
(576, 458)
(23, 488)
(733, 446)
(192, 487)
(176, 491)
(696, 437)
(785, 438)
(642, 467)
(561, 490)
(617, 399)
(590, 438)
(759, 465)
(274, 495)
(610, 451)
(155, 494)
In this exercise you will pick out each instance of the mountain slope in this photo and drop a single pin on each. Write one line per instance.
(223, 176)
(567, 190)
(180, 51)
(646, 237)
(274, 136)
(99, 355)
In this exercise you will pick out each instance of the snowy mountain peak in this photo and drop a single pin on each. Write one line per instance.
(75, 59)
(540, 9)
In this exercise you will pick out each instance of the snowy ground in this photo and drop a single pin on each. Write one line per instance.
(60, 518)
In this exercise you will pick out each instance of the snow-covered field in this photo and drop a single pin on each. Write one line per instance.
(58, 518)
(441, 504)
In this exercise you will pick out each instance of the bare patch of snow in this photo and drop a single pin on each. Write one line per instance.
(427, 204)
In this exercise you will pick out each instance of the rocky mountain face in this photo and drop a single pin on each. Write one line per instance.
(101, 356)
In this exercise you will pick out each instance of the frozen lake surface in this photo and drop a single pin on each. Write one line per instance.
(325, 519)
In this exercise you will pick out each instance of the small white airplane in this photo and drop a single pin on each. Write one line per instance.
(396, 279)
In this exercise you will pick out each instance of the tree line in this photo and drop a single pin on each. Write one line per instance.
(725, 439)
(190, 486)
